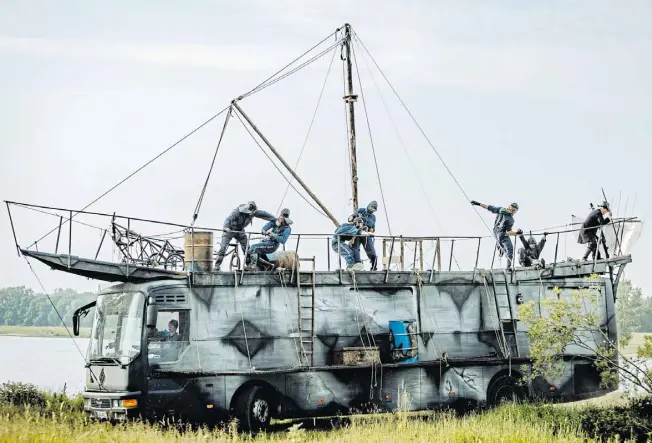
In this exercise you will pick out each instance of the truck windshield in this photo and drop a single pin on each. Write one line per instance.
(117, 327)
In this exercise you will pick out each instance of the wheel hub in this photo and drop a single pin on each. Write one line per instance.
(260, 410)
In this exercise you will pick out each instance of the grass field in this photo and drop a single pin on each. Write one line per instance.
(508, 424)
(57, 418)
(41, 331)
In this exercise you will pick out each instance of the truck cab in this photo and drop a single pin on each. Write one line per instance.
(137, 328)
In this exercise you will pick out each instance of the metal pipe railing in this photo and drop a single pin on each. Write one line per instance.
(457, 242)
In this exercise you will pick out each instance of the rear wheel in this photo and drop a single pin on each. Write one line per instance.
(252, 409)
(505, 389)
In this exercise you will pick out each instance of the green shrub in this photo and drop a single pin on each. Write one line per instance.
(22, 394)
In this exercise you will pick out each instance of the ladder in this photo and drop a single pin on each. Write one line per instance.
(506, 321)
(306, 304)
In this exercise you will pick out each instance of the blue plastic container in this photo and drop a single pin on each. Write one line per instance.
(403, 345)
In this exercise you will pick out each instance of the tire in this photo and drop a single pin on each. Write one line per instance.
(234, 263)
(253, 409)
(175, 262)
(505, 389)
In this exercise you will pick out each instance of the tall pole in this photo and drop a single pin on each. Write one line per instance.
(349, 99)
(288, 167)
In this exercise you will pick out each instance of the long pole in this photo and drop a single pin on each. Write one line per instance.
(617, 243)
(296, 177)
(349, 99)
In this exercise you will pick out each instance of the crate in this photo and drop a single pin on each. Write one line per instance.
(356, 355)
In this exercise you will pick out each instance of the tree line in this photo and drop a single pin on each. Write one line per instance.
(21, 306)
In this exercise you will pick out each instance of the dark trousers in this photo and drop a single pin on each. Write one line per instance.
(369, 249)
(591, 247)
(523, 258)
(241, 237)
(506, 247)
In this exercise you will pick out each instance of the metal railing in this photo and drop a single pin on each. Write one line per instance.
(399, 253)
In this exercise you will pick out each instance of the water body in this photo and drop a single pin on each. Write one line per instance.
(48, 362)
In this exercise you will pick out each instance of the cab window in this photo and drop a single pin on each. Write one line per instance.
(169, 338)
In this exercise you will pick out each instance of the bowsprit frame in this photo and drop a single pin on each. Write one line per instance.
(146, 251)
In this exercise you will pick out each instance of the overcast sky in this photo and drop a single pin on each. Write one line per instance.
(536, 102)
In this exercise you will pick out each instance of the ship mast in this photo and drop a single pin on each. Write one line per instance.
(349, 99)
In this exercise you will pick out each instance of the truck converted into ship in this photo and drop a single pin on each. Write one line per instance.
(316, 339)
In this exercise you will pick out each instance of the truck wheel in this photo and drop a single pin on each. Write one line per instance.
(252, 409)
(505, 389)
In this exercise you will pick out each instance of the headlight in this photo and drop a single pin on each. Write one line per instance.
(87, 402)
(116, 403)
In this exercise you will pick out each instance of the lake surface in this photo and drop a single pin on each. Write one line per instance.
(48, 362)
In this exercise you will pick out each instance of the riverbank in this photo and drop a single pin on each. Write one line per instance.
(41, 331)
(30, 414)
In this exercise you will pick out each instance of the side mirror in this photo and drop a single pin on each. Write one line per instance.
(81, 312)
(152, 312)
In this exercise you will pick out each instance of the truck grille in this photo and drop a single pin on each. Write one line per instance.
(103, 403)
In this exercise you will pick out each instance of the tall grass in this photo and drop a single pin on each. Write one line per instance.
(30, 415)
(505, 425)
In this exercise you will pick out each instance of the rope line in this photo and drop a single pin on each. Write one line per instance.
(168, 149)
(414, 120)
(298, 68)
(217, 148)
(260, 86)
(257, 88)
(398, 135)
(81, 354)
(293, 331)
(371, 139)
(276, 166)
(312, 121)
(244, 328)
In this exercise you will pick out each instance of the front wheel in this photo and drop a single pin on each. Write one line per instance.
(252, 409)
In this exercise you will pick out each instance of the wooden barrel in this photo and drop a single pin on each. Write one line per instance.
(198, 249)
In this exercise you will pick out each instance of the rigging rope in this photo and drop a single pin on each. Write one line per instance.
(298, 68)
(264, 82)
(398, 135)
(277, 168)
(371, 139)
(168, 149)
(286, 297)
(312, 121)
(61, 319)
(426, 137)
(501, 344)
(217, 148)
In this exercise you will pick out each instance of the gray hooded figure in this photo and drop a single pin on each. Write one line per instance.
(234, 227)
(369, 224)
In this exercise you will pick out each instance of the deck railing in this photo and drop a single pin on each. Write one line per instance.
(146, 242)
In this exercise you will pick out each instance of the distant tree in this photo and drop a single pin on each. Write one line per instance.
(10, 318)
(631, 308)
(22, 306)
